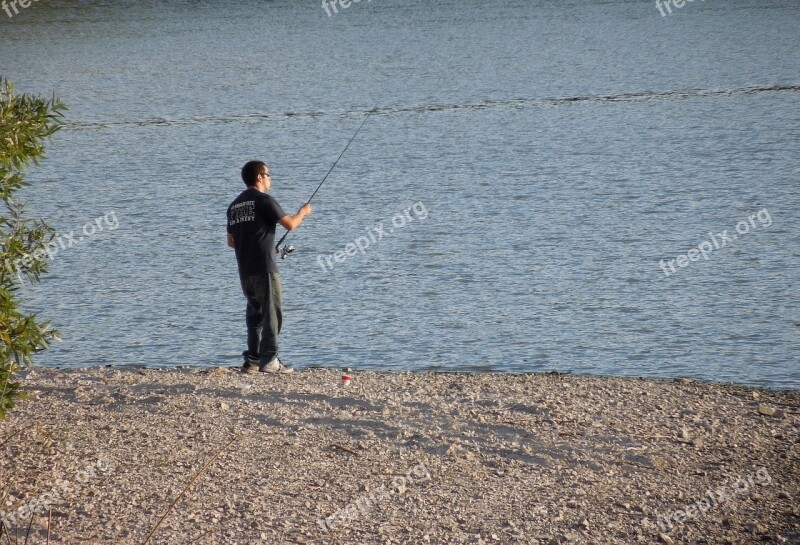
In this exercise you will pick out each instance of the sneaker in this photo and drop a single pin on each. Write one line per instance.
(250, 363)
(275, 366)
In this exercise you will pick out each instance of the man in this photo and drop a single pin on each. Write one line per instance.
(252, 217)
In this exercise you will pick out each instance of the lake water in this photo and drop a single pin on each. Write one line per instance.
(543, 157)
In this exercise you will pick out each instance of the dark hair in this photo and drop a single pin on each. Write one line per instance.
(251, 170)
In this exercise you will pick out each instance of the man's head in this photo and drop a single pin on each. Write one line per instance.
(255, 174)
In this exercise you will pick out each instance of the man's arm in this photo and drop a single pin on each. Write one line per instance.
(230, 240)
(293, 222)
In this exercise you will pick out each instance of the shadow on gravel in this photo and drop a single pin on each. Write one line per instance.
(457, 435)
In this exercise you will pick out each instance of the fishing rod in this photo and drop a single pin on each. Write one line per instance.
(286, 250)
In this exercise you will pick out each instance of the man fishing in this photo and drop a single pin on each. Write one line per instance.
(252, 217)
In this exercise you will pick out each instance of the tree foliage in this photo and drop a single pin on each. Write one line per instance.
(26, 121)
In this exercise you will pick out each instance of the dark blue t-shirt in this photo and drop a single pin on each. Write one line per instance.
(252, 217)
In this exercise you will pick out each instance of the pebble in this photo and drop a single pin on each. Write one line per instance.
(499, 468)
(766, 410)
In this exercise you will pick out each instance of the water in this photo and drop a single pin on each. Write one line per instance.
(559, 151)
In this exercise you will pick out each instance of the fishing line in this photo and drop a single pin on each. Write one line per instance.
(286, 250)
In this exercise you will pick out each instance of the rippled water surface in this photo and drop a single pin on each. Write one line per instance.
(555, 152)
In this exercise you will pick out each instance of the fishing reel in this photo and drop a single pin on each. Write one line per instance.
(286, 250)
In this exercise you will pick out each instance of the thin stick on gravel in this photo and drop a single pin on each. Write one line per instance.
(4, 528)
(345, 449)
(49, 520)
(28, 531)
(186, 488)
(7, 439)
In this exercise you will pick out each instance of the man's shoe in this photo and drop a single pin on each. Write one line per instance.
(275, 366)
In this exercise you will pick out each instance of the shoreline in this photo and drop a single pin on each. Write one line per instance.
(432, 371)
(401, 457)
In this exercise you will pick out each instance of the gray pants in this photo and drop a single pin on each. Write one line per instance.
(264, 315)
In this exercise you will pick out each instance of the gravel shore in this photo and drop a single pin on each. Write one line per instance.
(397, 458)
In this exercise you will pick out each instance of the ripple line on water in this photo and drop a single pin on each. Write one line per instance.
(422, 108)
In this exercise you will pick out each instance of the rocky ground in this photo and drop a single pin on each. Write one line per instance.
(100, 455)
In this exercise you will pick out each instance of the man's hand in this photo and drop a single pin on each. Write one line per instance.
(293, 222)
(230, 241)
